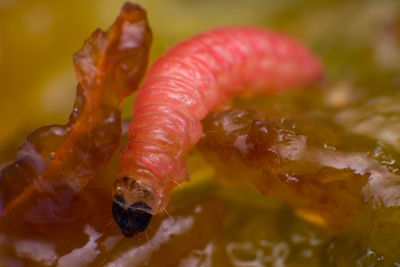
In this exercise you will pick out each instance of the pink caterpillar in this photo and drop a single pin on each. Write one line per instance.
(192, 78)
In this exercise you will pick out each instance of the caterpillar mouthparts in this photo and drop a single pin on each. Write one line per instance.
(132, 205)
(131, 219)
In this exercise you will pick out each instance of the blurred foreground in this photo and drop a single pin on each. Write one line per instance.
(354, 121)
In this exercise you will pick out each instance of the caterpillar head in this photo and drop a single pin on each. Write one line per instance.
(133, 205)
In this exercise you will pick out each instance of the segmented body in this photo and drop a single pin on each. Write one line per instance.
(194, 77)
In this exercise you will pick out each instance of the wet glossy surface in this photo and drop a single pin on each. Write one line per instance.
(56, 162)
(218, 218)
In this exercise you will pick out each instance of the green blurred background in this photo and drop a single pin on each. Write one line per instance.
(358, 42)
(38, 38)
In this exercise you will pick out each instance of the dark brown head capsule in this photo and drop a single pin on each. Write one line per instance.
(131, 219)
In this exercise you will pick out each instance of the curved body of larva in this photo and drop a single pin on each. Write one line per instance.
(192, 78)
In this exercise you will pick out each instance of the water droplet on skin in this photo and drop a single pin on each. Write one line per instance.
(326, 146)
(52, 155)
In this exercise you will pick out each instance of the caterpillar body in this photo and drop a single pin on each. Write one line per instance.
(192, 78)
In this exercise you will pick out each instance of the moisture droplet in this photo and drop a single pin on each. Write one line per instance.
(52, 155)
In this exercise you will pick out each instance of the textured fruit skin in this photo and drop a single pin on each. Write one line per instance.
(194, 77)
(55, 162)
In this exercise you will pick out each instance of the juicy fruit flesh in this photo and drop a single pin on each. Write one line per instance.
(237, 225)
(281, 161)
(216, 220)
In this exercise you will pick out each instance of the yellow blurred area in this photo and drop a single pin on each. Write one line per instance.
(38, 38)
(358, 42)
